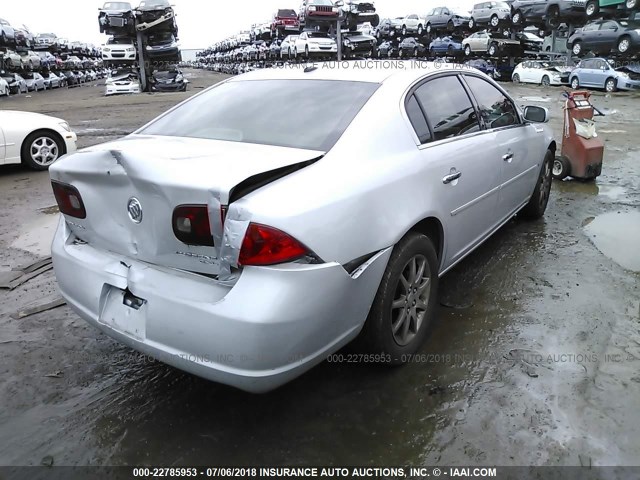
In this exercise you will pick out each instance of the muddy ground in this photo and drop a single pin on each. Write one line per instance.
(535, 359)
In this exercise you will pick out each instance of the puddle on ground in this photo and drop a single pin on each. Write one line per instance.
(53, 210)
(38, 235)
(613, 192)
(617, 235)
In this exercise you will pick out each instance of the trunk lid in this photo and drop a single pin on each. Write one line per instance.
(162, 173)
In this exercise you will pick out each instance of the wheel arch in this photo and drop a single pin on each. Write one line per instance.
(431, 227)
(553, 146)
(53, 133)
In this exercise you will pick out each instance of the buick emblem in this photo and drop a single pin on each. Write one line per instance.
(135, 210)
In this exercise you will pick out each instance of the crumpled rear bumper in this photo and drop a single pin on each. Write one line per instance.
(269, 327)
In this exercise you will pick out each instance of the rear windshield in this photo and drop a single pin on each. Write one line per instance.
(308, 114)
(287, 13)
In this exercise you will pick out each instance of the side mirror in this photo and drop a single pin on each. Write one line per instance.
(536, 114)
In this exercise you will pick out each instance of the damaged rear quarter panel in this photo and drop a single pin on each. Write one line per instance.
(362, 197)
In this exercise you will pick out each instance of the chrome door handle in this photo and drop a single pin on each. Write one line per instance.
(508, 157)
(452, 177)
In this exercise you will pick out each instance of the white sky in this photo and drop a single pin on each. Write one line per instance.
(200, 22)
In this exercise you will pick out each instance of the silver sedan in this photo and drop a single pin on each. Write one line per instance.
(267, 222)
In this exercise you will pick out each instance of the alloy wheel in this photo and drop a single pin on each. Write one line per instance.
(411, 300)
(44, 151)
(545, 184)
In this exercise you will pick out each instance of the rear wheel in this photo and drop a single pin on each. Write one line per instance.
(472, 24)
(611, 85)
(546, 81)
(405, 304)
(467, 50)
(538, 203)
(624, 44)
(495, 21)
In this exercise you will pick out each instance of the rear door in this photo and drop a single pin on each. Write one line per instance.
(516, 145)
(463, 168)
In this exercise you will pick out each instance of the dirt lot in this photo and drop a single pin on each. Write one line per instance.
(535, 358)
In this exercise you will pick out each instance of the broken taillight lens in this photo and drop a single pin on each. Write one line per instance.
(69, 200)
(263, 245)
(191, 225)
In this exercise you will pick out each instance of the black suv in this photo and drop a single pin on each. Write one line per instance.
(548, 13)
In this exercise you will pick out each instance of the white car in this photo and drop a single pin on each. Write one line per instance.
(537, 71)
(119, 52)
(33, 139)
(412, 24)
(124, 81)
(4, 88)
(314, 43)
(287, 46)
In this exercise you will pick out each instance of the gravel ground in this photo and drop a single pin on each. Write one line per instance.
(534, 359)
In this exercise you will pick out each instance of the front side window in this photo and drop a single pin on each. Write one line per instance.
(496, 110)
(308, 114)
(447, 107)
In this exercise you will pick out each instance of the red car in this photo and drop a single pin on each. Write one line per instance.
(319, 11)
(284, 20)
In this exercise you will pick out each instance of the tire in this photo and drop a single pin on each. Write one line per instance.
(415, 52)
(561, 168)
(575, 83)
(540, 198)
(592, 8)
(611, 85)
(516, 19)
(432, 53)
(546, 81)
(516, 78)
(428, 28)
(576, 48)
(624, 44)
(4, 38)
(40, 149)
(450, 51)
(404, 31)
(494, 21)
(420, 30)
(631, 4)
(306, 52)
(553, 17)
(467, 50)
(493, 50)
(450, 26)
(403, 285)
(472, 24)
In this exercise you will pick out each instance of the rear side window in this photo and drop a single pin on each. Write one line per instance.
(496, 110)
(416, 117)
(308, 114)
(448, 107)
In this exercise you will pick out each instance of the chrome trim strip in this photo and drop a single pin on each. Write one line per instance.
(475, 200)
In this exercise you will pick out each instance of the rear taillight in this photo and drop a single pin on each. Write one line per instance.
(264, 245)
(191, 225)
(69, 200)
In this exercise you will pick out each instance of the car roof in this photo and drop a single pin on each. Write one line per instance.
(370, 71)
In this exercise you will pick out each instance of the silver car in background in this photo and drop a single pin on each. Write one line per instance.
(268, 221)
